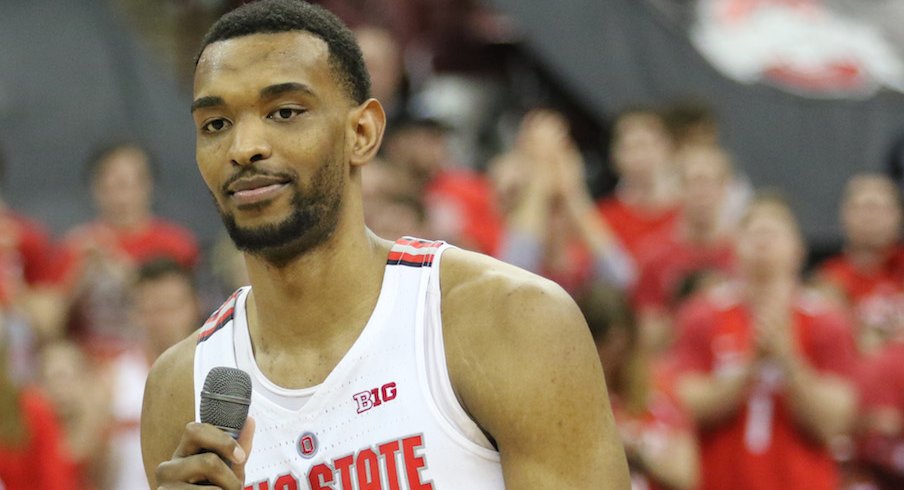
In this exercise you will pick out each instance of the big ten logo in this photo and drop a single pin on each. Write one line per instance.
(375, 397)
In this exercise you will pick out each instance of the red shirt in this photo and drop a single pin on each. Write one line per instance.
(41, 463)
(462, 207)
(761, 447)
(633, 225)
(160, 238)
(882, 385)
(668, 259)
(26, 254)
(98, 316)
(877, 296)
(662, 420)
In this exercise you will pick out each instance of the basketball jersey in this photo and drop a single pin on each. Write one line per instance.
(385, 418)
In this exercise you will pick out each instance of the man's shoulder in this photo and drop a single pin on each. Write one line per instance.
(484, 298)
(174, 368)
(481, 284)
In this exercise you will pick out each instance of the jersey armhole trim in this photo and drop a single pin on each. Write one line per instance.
(440, 394)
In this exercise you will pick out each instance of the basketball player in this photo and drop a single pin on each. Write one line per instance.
(375, 365)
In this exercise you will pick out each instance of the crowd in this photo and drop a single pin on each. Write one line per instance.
(727, 366)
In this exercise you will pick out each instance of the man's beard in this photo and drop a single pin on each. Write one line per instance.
(314, 218)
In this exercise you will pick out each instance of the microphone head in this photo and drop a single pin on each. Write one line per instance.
(225, 399)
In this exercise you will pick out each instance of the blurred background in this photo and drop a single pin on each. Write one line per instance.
(802, 101)
(618, 147)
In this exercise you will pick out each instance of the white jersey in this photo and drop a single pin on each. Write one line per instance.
(385, 418)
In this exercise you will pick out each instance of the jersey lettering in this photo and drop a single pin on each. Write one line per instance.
(364, 470)
(375, 397)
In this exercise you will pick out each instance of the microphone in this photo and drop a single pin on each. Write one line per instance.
(225, 399)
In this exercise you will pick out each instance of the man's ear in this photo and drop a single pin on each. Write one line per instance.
(366, 126)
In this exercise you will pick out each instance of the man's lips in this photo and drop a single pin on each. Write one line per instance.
(256, 189)
(255, 182)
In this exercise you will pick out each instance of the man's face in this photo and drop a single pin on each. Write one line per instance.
(641, 148)
(704, 179)
(871, 215)
(769, 244)
(122, 188)
(166, 309)
(272, 140)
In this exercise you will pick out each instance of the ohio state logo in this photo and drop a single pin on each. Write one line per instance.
(375, 397)
(307, 445)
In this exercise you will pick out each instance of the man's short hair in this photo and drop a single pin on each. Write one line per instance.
(869, 181)
(103, 151)
(160, 268)
(275, 16)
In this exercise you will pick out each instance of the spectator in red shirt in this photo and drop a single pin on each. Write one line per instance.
(551, 226)
(31, 450)
(460, 204)
(80, 396)
(695, 248)
(392, 206)
(166, 307)
(881, 441)
(27, 285)
(869, 273)
(658, 436)
(765, 366)
(99, 256)
(644, 201)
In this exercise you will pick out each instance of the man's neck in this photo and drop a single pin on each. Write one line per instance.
(643, 194)
(867, 258)
(700, 232)
(129, 223)
(319, 299)
(770, 287)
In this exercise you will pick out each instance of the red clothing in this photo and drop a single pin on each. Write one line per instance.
(462, 208)
(41, 464)
(882, 385)
(662, 421)
(632, 225)
(26, 254)
(98, 316)
(668, 259)
(160, 238)
(761, 447)
(877, 296)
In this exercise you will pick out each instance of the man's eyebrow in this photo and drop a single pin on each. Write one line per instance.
(281, 88)
(207, 101)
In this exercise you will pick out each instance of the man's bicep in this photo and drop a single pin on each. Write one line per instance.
(168, 405)
(540, 393)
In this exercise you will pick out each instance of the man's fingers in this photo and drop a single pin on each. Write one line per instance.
(244, 443)
(209, 468)
(199, 437)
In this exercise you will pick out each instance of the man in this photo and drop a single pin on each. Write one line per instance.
(100, 255)
(27, 286)
(165, 308)
(355, 385)
(869, 274)
(693, 249)
(766, 367)
(644, 202)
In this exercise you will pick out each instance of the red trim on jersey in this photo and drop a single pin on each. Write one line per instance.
(219, 318)
(226, 318)
(422, 257)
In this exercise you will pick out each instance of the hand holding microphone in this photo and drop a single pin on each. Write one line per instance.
(215, 450)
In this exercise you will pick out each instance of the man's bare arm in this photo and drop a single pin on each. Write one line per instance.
(167, 407)
(523, 364)
(170, 439)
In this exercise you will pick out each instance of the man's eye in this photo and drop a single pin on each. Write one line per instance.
(285, 113)
(215, 126)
